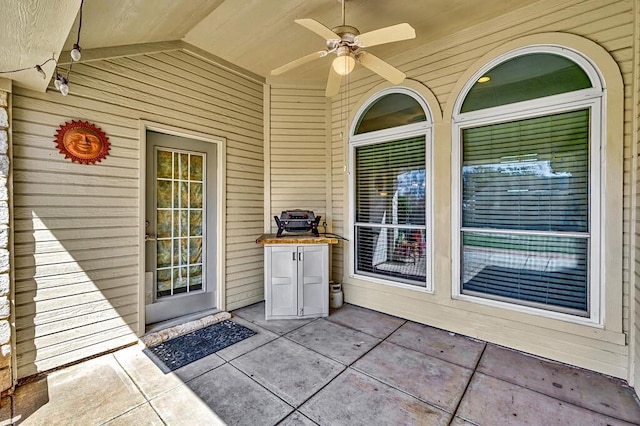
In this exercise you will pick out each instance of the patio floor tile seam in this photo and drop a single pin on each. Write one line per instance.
(581, 370)
(415, 396)
(146, 400)
(320, 390)
(364, 332)
(382, 382)
(392, 386)
(263, 387)
(442, 358)
(333, 359)
(130, 410)
(288, 331)
(297, 411)
(350, 367)
(312, 350)
(549, 396)
(466, 388)
(278, 336)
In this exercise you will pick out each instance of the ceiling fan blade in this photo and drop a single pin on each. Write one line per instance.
(318, 28)
(300, 61)
(333, 83)
(386, 35)
(381, 68)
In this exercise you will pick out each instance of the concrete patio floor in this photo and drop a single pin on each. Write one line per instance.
(356, 367)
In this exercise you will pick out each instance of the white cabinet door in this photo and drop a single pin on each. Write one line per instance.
(282, 261)
(296, 281)
(313, 284)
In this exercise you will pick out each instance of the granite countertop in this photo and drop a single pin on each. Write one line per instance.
(295, 239)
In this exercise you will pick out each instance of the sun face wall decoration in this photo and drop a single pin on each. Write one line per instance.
(82, 142)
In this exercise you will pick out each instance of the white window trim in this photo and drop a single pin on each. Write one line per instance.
(573, 55)
(424, 128)
(592, 99)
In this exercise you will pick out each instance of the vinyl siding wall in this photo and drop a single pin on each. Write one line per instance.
(77, 226)
(299, 152)
(635, 248)
(439, 65)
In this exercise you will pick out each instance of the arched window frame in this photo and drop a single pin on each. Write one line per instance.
(423, 128)
(594, 99)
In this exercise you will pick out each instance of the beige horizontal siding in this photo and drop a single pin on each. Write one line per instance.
(76, 226)
(298, 150)
(634, 251)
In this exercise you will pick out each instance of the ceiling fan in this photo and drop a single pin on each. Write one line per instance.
(347, 43)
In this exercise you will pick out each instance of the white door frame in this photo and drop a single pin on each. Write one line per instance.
(221, 208)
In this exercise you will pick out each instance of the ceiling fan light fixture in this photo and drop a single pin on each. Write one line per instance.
(344, 64)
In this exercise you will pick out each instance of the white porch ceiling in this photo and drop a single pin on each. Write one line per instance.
(257, 35)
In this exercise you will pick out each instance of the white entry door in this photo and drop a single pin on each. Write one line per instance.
(180, 242)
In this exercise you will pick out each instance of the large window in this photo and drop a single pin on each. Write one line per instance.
(528, 180)
(391, 191)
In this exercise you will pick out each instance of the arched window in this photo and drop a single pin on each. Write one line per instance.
(390, 189)
(527, 135)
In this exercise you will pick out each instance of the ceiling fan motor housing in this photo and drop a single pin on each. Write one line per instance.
(347, 35)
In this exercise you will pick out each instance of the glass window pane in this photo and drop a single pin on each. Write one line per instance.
(176, 251)
(164, 223)
(396, 109)
(397, 253)
(195, 278)
(390, 190)
(163, 282)
(523, 78)
(196, 167)
(195, 250)
(195, 195)
(184, 251)
(533, 270)
(391, 182)
(164, 194)
(179, 280)
(528, 175)
(195, 223)
(184, 166)
(164, 164)
(184, 194)
(184, 223)
(164, 253)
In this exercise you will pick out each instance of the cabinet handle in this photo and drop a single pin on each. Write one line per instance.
(300, 257)
(294, 256)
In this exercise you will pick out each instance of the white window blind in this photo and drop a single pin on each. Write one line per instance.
(525, 211)
(390, 226)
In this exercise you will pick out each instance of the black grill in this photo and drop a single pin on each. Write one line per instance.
(297, 221)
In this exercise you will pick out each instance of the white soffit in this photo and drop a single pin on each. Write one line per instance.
(32, 32)
(260, 35)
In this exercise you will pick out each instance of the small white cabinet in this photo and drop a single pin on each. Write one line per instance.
(296, 281)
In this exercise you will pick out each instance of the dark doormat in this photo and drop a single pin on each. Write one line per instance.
(182, 350)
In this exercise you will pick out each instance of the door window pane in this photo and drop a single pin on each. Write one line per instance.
(179, 215)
